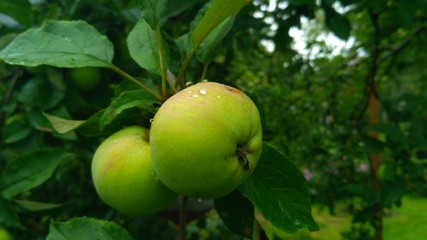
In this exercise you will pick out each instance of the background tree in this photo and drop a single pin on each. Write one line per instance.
(352, 119)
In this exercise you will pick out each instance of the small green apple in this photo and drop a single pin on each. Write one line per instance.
(5, 235)
(206, 140)
(39, 71)
(123, 174)
(86, 78)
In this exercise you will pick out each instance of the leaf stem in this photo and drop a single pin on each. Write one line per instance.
(205, 70)
(183, 67)
(183, 218)
(163, 68)
(255, 230)
(134, 80)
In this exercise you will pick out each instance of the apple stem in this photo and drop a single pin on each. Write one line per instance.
(183, 217)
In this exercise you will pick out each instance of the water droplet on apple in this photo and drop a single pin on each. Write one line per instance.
(218, 97)
(189, 91)
(115, 141)
(195, 95)
(202, 91)
(188, 84)
(151, 120)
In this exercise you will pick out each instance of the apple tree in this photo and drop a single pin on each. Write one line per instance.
(75, 83)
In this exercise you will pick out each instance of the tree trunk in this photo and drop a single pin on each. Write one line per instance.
(375, 162)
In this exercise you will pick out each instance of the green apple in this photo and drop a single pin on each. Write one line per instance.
(39, 71)
(86, 78)
(206, 140)
(5, 235)
(124, 176)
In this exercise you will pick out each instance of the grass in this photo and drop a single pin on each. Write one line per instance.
(406, 222)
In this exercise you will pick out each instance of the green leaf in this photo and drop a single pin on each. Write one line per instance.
(30, 170)
(126, 100)
(40, 93)
(373, 145)
(40, 122)
(213, 15)
(6, 39)
(9, 216)
(207, 49)
(348, 2)
(153, 10)
(237, 212)
(392, 132)
(301, 2)
(35, 206)
(20, 10)
(84, 228)
(63, 125)
(176, 7)
(279, 192)
(337, 23)
(60, 44)
(89, 127)
(358, 190)
(390, 191)
(144, 47)
(15, 131)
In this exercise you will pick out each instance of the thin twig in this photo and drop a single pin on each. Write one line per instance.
(396, 50)
(134, 80)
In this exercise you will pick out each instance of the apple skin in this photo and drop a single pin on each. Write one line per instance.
(5, 235)
(124, 176)
(85, 78)
(206, 140)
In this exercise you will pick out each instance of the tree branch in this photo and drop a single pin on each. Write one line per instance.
(373, 66)
(396, 50)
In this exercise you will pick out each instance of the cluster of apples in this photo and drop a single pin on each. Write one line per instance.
(204, 141)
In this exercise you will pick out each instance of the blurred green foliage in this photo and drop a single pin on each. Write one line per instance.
(314, 103)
